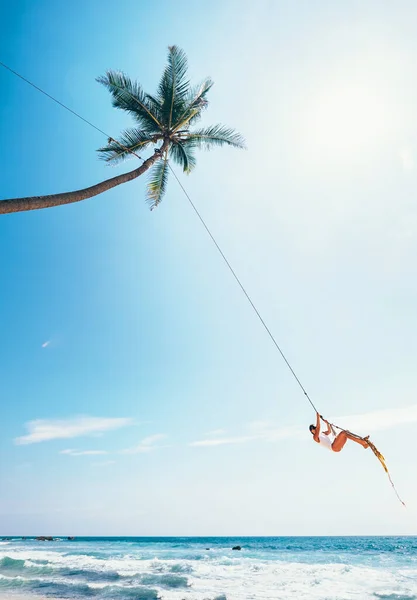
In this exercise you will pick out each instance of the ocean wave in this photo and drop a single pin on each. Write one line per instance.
(39, 576)
(63, 589)
(180, 568)
(166, 575)
(106, 571)
(11, 564)
(395, 597)
(15, 567)
(169, 581)
(136, 593)
(90, 576)
(161, 566)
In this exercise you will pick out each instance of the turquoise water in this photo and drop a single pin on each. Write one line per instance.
(332, 568)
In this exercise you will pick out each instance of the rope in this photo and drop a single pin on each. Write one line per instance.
(233, 272)
(332, 426)
(195, 210)
(69, 109)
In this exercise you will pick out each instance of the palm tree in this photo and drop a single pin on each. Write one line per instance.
(163, 121)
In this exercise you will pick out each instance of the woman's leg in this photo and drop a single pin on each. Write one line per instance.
(358, 440)
(339, 441)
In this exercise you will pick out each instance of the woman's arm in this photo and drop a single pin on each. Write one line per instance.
(329, 429)
(317, 430)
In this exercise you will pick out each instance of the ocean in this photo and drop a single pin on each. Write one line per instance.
(313, 568)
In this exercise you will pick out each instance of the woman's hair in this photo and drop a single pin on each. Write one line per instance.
(312, 427)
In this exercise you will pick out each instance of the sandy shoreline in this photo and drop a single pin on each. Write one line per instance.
(19, 596)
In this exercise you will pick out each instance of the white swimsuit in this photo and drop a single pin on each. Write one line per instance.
(326, 441)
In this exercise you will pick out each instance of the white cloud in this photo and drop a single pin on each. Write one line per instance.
(46, 344)
(151, 439)
(407, 159)
(72, 452)
(271, 432)
(146, 445)
(258, 430)
(42, 430)
(363, 424)
(224, 441)
(216, 432)
(379, 420)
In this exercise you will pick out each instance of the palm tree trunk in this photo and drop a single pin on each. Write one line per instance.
(37, 202)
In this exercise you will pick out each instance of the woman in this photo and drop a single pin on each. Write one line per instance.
(334, 442)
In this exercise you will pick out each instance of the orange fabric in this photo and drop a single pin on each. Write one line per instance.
(377, 454)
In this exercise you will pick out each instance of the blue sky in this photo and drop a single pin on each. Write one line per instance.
(140, 394)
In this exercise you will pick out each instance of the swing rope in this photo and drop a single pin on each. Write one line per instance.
(233, 272)
(333, 427)
(39, 89)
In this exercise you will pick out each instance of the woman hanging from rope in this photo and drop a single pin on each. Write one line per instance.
(335, 442)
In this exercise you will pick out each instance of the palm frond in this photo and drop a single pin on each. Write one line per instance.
(174, 86)
(197, 98)
(199, 93)
(196, 102)
(215, 135)
(183, 154)
(129, 96)
(156, 106)
(157, 182)
(130, 141)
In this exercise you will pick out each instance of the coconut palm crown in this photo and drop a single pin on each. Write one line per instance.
(165, 119)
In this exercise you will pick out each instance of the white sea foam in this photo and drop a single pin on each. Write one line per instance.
(221, 575)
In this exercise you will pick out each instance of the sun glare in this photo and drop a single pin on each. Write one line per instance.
(344, 122)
